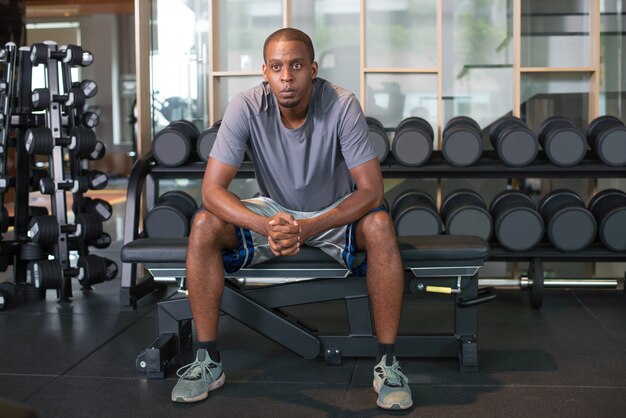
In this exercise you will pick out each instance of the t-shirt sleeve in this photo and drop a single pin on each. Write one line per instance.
(356, 145)
(232, 137)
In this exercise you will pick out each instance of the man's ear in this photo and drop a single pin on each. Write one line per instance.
(264, 68)
(313, 70)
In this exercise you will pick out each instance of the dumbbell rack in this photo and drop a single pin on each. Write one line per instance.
(59, 117)
(147, 171)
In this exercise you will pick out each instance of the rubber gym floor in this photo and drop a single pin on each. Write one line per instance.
(567, 359)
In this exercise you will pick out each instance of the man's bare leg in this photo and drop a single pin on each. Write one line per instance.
(205, 270)
(385, 284)
(375, 234)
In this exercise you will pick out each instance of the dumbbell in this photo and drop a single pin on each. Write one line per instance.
(171, 216)
(173, 145)
(42, 98)
(609, 209)
(518, 226)
(30, 251)
(88, 87)
(96, 178)
(412, 144)
(45, 230)
(515, 144)
(39, 141)
(570, 226)
(378, 137)
(462, 142)
(564, 144)
(91, 269)
(464, 212)
(205, 141)
(47, 185)
(7, 294)
(97, 206)
(414, 213)
(89, 119)
(607, 137)
(73, 55)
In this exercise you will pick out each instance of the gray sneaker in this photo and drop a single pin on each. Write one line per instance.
(392, 386)
(197, 379)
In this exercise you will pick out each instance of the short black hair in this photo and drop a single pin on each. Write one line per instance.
(290, 34)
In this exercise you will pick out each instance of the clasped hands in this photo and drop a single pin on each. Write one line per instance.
(285, 234)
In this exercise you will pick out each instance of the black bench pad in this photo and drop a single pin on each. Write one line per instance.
(414, 248)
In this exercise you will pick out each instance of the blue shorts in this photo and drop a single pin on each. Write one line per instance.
(253, 248)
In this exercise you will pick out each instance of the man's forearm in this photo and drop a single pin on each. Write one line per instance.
(351, 209)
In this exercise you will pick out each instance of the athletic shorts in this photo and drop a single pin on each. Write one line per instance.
(253, 248)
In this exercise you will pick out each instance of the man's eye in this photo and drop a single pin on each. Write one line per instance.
(275, 67)
(297, 66)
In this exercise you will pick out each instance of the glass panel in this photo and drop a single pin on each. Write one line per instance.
(228, 87)
(334, 28)
(552, 31)
(477, 65)
(244, 25)
(179, 56)
(401, 34)
(612, 58)
(393, 97)
(562, 94)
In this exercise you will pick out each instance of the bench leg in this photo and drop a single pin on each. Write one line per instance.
(466, 327)
(174, 317)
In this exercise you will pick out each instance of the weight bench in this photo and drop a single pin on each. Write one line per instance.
(445, 264)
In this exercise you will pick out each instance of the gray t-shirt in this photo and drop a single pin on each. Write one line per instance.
(306, 168)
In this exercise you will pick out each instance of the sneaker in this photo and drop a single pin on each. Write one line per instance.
(392, 386)
(197, 379)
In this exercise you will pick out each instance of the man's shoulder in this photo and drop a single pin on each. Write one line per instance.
(254, 99)
(331, 95)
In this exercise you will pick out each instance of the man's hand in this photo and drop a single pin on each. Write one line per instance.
(284, 235)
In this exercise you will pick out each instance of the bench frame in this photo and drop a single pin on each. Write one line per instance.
(259, 308)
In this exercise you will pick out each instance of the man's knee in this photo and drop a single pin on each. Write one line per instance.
(207, 227)
(377, 225)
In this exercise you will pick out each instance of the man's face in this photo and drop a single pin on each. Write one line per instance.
(290, 73)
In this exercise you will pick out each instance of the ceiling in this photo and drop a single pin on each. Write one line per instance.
(67, 8)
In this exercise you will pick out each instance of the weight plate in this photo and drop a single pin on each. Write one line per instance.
(553, 122)
(519, 229)
(171, 148)
(462, 147)
(419, 123)
(535, 292)
(205, 142)
(379, 140)
(598, 197)
(411, 146)
(460, 197)
(517, 146)
(464, 121)
(596, 125)
(567, 238)
(470, 220)
(166, 221)
(565, 146)
(409, 195)
(375, 122)
(559, 197)
(499, 125)
(184, 201)
(610, 146)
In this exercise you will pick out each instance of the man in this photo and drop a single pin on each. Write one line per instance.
(321, 185)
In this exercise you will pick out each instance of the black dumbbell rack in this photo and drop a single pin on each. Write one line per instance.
(57, 118)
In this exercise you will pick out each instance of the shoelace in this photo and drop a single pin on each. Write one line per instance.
(394, 376)
(194, 370)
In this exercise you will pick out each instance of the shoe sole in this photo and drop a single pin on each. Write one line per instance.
(392, 406)
(215, 385)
